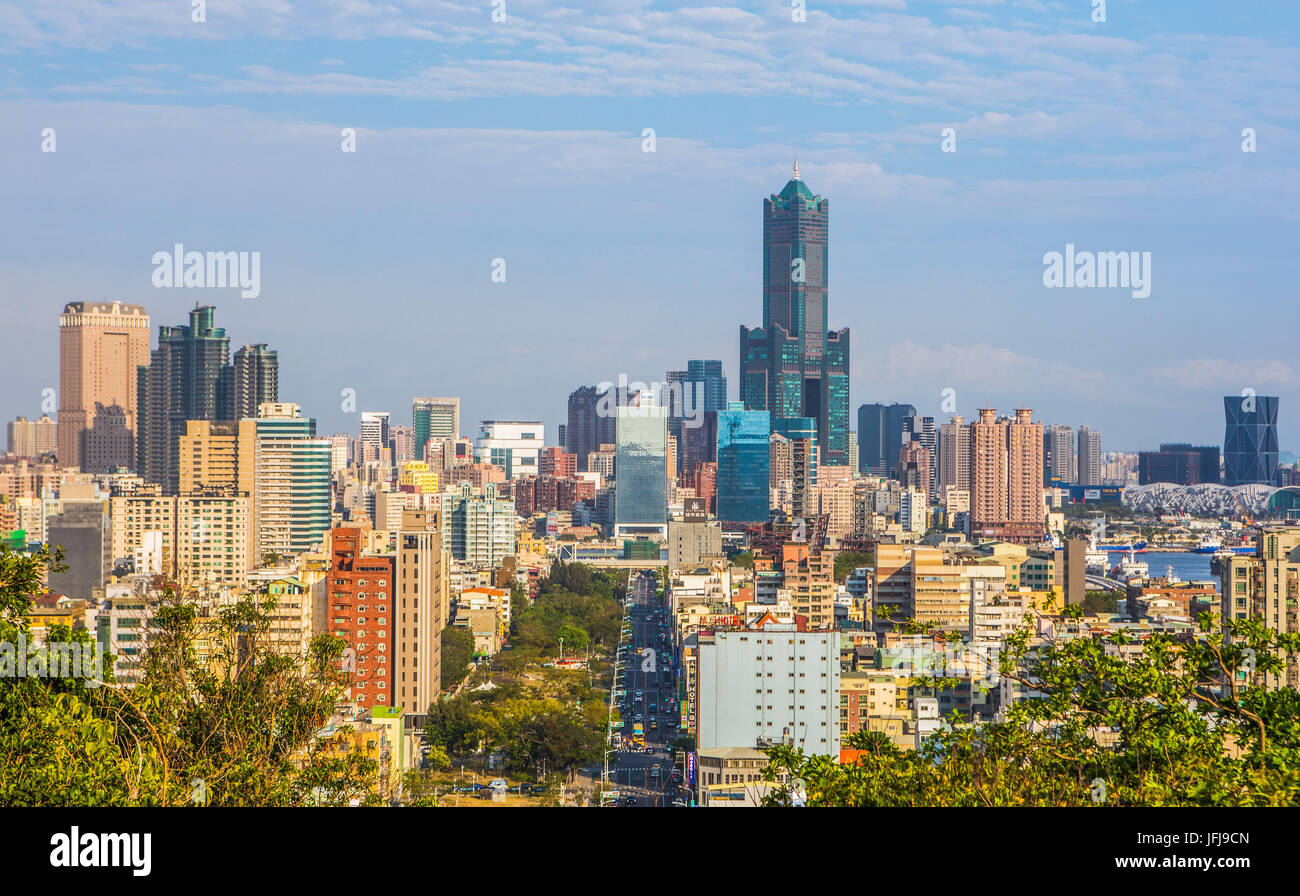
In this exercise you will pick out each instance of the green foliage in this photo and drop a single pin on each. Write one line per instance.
(457, 651)
(572, 597)
(1165, 722)
(437, 759)
(419, 788)
(239, 729)
(529, 730)
(847, 561)
(574, 638)
(1100, 602)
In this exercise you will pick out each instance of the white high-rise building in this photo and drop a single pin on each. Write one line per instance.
(478, 530)
(374, 429)
(912, 510)
(770, 684)
(512, 445)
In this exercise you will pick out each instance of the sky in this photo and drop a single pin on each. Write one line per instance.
(524, 139)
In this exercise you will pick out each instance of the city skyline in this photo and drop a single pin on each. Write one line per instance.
(418, 404)
(470, 423)
(550, 178)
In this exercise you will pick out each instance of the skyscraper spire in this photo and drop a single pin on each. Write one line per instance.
(796, 170)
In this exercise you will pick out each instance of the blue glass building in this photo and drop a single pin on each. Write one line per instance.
(743, 463)
(1250, 440)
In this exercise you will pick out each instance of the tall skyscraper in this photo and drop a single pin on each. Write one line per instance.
(587, 428)
(793, 366)
(434, 418)
(421, 609)
(641, 469)
(954, 456)
(1088, 462)
(695, 395)
(744, 452)
(1006, 458)
(374, 430)
(1250, 446)
(182, 382)
(921, 429)
(1058, 455)
(101, 344)
(880, 435)
(291, 489)
(254, 381)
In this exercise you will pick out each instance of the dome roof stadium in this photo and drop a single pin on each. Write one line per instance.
(1205, 499)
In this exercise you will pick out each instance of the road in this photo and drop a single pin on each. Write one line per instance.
(649, 690)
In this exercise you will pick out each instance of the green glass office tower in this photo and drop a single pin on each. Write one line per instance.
(292, 506)
(793, 366)
(186, 379)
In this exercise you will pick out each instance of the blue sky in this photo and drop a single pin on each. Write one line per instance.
(522, 140)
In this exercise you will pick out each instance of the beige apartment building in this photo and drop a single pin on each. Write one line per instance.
(100, 346)
(33, 438)
(422, 610)
(836, 501)
(1266, 587)
(218, 456)
(203, 539)
(921, 583)
(133, 518)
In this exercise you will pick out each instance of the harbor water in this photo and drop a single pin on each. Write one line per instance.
(1187, 566)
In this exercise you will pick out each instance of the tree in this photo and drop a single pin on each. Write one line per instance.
(240, 728)
(1098, 602)
(437, 759)
(457, 651)
(1164, 722)
(847, 561)
(573, 637)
